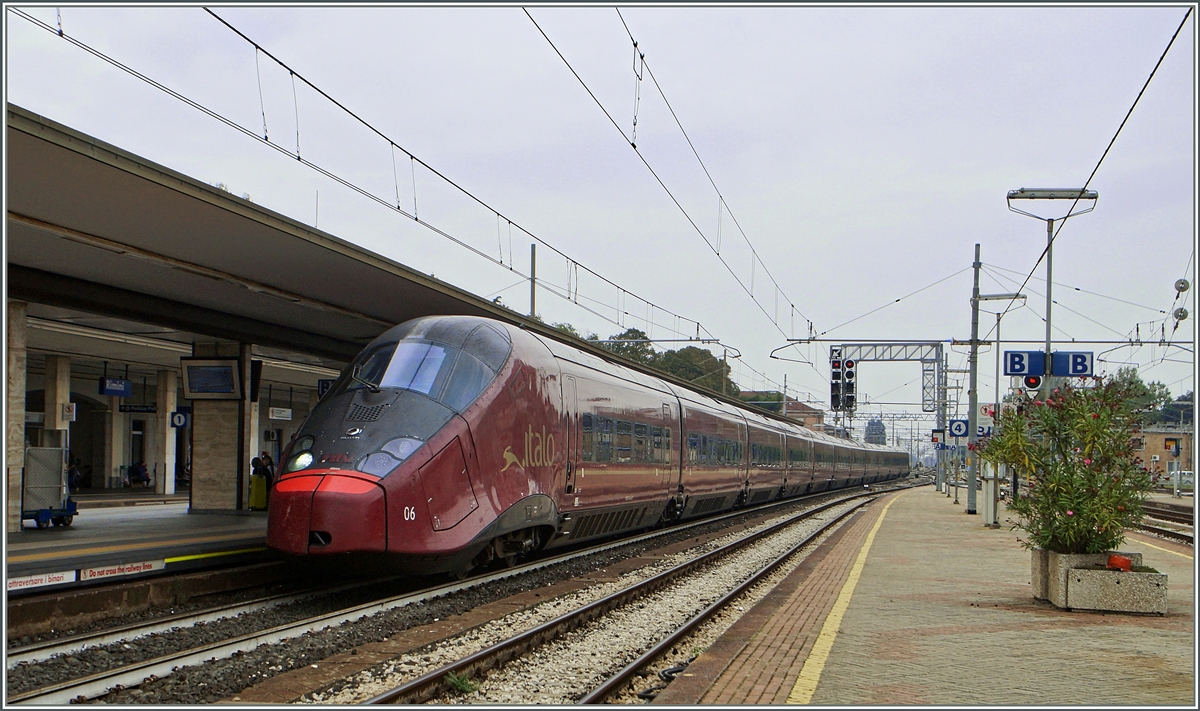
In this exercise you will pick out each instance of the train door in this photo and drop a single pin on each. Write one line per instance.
(571, 415)
(672, 452)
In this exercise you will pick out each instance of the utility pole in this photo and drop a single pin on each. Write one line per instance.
(972, 393)
(533, 279)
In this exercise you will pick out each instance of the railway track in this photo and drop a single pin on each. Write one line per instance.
(86, 683)
(1181, 536)
(1167, 512)
(444, 679)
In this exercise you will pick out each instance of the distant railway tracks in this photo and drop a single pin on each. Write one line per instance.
(1169, 513)
(217, 653)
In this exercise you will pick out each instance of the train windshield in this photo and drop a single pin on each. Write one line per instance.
(444, 373)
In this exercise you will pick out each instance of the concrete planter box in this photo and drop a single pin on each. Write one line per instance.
(1116, 591)
(1039, 574)
(1052, 576)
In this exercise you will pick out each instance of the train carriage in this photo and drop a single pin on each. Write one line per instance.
(453, 441)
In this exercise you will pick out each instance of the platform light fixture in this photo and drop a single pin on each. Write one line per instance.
(1075, 194)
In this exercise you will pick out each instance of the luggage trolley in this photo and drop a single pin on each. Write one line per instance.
(45, 496)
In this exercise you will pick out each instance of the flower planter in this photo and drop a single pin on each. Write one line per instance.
(1072, 581)
(1116, 591)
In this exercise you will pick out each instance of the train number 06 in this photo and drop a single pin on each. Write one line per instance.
(410, 513)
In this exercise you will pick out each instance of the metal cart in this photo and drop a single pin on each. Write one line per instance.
(45, 496)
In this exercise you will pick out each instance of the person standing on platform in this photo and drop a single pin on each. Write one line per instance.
(73, 476)
(269, 465)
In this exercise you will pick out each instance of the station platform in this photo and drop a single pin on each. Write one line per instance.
(915, 602)
(124, 534)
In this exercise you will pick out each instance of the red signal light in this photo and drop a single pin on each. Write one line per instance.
(1032, 382)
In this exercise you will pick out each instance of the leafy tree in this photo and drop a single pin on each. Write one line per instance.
(699, 367)
(1086, 483)
(771, 400)
(567, 329)
(638, 352)
(1180, 411)
(1142, 397)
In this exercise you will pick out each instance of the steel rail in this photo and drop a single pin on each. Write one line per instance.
(41, 651)
(102, 682)
(615, 682)
(429, 685)
(1166, 513)
(1181, 536)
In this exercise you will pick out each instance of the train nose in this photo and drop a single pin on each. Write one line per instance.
(327, 512)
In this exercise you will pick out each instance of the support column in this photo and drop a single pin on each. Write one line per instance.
(247, 435)
(14, 459)
(164, 433)
(222, 438)
(116, 436)
(57, 389)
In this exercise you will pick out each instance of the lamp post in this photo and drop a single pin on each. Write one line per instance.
(995, 522)
(1051, 194)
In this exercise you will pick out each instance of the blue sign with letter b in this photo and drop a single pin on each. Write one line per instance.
(1071, 364)
(1024, 363)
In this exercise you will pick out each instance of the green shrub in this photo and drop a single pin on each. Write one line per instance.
(461, 684)
(1075, 450)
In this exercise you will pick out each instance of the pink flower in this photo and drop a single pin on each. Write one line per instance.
(1070, 512)
(1087, 461)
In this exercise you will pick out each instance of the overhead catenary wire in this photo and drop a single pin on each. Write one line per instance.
(1104, 155)
(325, 172)
(654, 173)
(986, 266)
(414, 160)
(711, 180)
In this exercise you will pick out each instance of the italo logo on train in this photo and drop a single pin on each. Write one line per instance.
(539, 450)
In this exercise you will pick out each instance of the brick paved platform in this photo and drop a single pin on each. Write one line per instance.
(941, 614)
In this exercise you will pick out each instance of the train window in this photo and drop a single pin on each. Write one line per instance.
(586, 442)
(416, 365)
(604, 428)
(469, 378)
(693, 443)
(624, 441)
(666, 455)
(642, 451)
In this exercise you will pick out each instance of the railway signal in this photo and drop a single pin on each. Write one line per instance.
(848, 397)
(835, 378)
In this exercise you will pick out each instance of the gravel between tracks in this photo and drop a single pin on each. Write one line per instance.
(563, 671)
(222, 678)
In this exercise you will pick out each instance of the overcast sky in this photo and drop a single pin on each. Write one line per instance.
(862, 150)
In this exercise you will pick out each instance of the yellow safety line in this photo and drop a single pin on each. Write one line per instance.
(117, 549)
(810, 673)
(198, 556)
(1166, 550)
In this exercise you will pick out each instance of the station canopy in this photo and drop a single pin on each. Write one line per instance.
(101, 241)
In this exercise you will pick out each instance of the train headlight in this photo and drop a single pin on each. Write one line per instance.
(300, 461)
(304, 444)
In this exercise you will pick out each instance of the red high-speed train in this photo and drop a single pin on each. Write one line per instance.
(452, 441)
